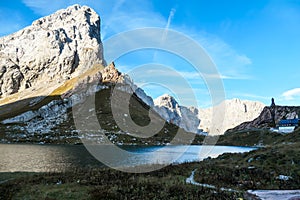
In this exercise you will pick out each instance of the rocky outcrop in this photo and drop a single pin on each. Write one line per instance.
(236, 112)
(53, 49)
(169, 109)
(264, 120)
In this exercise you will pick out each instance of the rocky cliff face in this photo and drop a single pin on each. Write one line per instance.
(236, 112)
(53, 49)
(264, 120)
(200, 120)
(169, 109)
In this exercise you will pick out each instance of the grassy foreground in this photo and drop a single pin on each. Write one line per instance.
(167, 183)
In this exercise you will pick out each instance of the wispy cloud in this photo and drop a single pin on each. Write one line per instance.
(163, 39)
(230, 63)
(291, 94)
(44, 7)
(170, 18)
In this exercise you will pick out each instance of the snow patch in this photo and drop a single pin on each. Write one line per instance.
(276, 194)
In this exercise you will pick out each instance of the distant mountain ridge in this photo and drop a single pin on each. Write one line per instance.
(237, 111)
(264, 120)
(169, 109)
(200, 120)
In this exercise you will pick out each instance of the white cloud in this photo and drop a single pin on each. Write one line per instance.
(291, 94)
(164, 37)
(254, 97)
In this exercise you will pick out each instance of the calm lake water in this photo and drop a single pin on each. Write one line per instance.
(45, 158)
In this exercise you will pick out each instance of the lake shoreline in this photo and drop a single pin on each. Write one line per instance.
(242, 172)
(23, 157)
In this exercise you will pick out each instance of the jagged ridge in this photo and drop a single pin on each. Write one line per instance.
(264, 120)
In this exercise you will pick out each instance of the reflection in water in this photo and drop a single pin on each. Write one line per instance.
(178, 154)
(45, 158)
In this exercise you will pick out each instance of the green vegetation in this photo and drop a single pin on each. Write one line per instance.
(259, 137)
(258, 169)
(65, 133)
(167, 183)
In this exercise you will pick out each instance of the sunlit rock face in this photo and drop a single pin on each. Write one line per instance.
(236, 111)
(169, 109)
(53, 49)
(43, 64)
(196, 120)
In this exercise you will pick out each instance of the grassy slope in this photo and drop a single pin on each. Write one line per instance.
(261, 137)
(139, 113)
(254, 170)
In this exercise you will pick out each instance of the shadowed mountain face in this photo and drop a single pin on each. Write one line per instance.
(54, 122)
(49, 119)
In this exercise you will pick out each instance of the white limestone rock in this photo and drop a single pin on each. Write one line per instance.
(51, 50)
(200, 120)
(236, 112)
(169, 109)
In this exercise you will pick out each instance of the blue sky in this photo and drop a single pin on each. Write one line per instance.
(255, 44)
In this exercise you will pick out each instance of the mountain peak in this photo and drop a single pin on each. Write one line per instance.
(166, 100)
(53, 49)
(77, 15)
